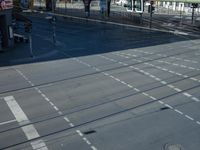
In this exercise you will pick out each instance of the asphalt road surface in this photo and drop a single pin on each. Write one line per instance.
(101, 87)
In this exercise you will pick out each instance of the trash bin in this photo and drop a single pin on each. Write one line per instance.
(1, 40)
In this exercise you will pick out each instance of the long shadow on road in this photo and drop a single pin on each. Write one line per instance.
(76, 39)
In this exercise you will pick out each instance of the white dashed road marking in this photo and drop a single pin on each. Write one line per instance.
(161, 102)
(163, 82)
(56, 108)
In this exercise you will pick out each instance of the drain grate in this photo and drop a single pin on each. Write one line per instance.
(173, 147)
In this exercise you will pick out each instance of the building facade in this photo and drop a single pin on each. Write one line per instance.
(180, 5)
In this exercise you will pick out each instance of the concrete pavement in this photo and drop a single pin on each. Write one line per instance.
(105, 87)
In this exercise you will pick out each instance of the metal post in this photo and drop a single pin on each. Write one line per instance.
(168, 9)
(31, 45)
(141, 21)
(54, 30)
(65, 6)
(52, 6)
(192, 15)
(181, 14)
(150, 22)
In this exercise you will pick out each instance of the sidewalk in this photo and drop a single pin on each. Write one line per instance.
(129, 18)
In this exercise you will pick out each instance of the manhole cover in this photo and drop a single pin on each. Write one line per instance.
(173, 147)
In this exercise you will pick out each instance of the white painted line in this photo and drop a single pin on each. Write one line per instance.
(43, 95)
(47, 99)
(79, 132)
(29, 130)
(56, 108)
(66, 119)
(7, 122)
(130, 86)
(39, 145)
(187, 94)
(195, 99)
(194, 79)
(191, 68)
(106, 74)
(183, 66)
(152, 76)
(171, 86)
(51, 104)
(177, 89)
(93, 148)
(176, 64)
(145, 94)
(16, 110)
(60, 113)
(86, 140)
(39, 91)
(189, 117)
(171, 71)
(136, 89)
(198, 122)
(158, 79)
(161, 102)
(169, 106)
(117, 79)
(71, 125)
(179, 74)
(123, 82)
(178, 111)
(163, 82)
(153, 98)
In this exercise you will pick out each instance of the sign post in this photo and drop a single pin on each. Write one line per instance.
(28, 27)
